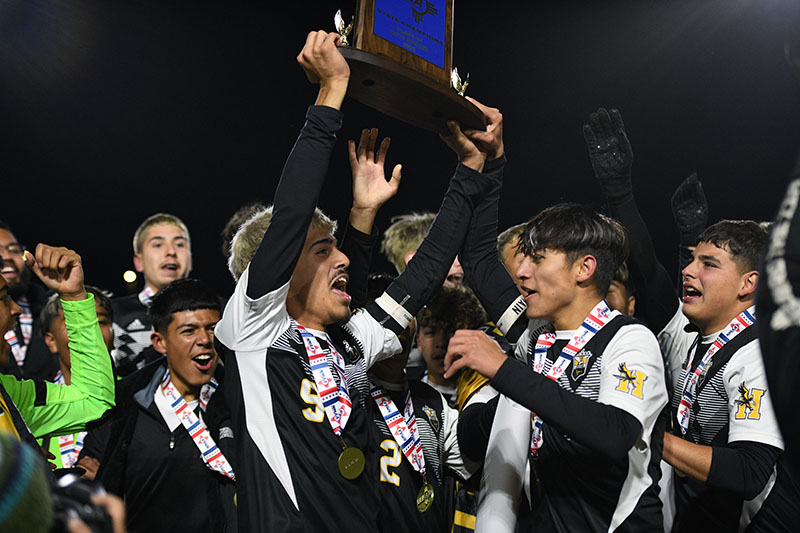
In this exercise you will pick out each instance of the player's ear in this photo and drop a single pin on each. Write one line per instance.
(159, 341)
(585, 268)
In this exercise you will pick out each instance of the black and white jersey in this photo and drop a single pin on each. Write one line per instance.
(287, 472)
(399, 483)
(284, 423)
(731, 404)
(581, 490)
(132, 328)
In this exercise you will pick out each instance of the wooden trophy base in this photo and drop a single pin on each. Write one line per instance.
(406, 95)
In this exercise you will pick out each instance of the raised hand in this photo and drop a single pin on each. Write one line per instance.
(59, 269)
(468, 153)
(690, 209)
(324, 64)
(370, 188)
(610, 152)
(490, 141)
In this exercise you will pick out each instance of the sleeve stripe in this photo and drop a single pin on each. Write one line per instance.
(41, 393)
(394, 310)
(510, 315)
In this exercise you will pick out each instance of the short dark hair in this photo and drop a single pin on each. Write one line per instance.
(181, 295)
(745, 240)
(577, 230)
(235, 222)
(5, 226)
(452, 308)
(53, 306)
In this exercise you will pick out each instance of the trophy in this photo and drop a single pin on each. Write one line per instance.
(401, 63)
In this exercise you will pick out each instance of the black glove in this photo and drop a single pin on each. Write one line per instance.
(690, 209)
(610, 153)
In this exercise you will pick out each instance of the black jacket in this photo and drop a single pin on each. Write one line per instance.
(160, 473)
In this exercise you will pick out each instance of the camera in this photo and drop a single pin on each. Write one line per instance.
(72, 499)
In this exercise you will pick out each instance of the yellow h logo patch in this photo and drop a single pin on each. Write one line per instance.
(631, 381)
(749, 402)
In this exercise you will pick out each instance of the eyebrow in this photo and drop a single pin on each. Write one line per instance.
(325, 240)
(710, 258)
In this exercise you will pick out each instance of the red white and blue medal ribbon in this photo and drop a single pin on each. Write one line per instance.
(599, 317)
(403, 427)
(25, 320)
(69, 446)
(746, 319)
(335, 398)
(212, 455)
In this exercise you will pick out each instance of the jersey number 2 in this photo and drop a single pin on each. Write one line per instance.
(392, 460)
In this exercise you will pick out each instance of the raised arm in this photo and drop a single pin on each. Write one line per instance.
(483, 268)
(427, 269)
(304, 172)
(370, 191)
(51, 409)
(612, 157)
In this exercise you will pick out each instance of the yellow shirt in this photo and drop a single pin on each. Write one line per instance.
(6, 422)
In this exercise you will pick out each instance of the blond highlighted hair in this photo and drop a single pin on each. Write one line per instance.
(248, 238)
(405, 235)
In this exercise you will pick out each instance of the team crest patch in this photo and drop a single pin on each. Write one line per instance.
(579, 363)
(749, 402)
(432, 418)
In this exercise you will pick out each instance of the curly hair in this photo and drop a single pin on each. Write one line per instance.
(450, 309)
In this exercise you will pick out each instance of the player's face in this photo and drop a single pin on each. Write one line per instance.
(165, 256)
(511, 260)
(189, 345)
(547, 284)
(619, 299)
(318, 289)
(58, 343)
(12, 264)
(9, 311)
(432, 344)
(711, 288)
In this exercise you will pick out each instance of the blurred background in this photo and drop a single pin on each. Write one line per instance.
(113, 110)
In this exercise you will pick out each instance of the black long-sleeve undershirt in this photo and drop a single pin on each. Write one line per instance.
(742, 467)
(428, 268)
(295, 200)
(656, 300)
(580, 418)
(484, 271)
(474, 428)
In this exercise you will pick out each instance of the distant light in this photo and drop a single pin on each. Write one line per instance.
(129, 276)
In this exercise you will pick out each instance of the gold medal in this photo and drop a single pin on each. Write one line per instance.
(351, 463)
(425, 497)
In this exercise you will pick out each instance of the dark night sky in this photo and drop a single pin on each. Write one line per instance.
(111, 111)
